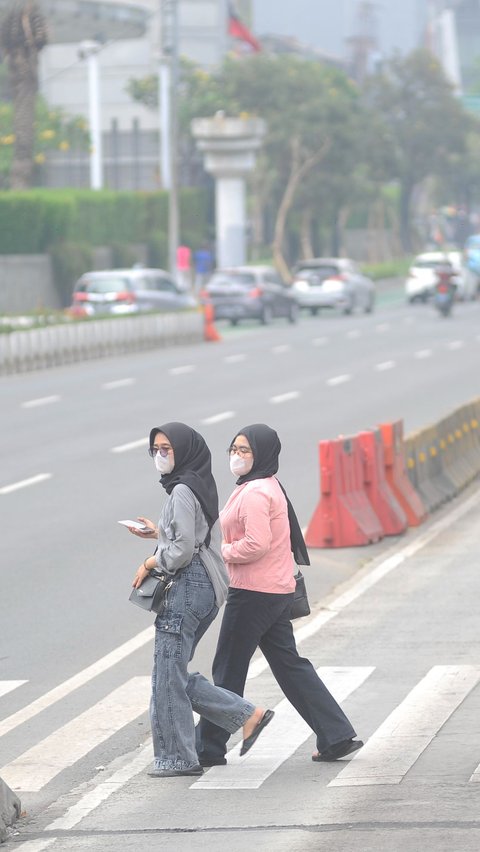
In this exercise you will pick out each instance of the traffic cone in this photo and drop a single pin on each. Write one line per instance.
(210, 333)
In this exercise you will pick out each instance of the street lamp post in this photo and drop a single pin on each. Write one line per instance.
(168, 119)
(89, 50)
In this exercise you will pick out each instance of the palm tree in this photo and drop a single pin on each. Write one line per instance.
(23, 34)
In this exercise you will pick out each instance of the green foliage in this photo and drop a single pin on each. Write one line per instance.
(69, 261)
(395, 268)
(54, 131)
(157, 250)
(33, 220)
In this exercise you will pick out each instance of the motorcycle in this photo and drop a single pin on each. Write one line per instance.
(445, 290)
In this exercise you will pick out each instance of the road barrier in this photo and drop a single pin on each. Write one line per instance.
(396, 473)
(57, 345)
(210, 333)
(377, 483)
(10, 809)
(344, 515)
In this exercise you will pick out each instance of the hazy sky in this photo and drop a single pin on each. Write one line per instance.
(326, 24)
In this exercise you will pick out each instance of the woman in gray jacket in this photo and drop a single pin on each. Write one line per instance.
(188, 548)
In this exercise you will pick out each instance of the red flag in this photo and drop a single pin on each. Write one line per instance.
(239, 31)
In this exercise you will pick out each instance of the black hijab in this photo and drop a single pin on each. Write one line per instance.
(193, 467)
(266, 447)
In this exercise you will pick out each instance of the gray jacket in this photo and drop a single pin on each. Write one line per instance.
(182, 531)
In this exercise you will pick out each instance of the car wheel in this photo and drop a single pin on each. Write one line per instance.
(266, 315)
(234, 321)
(314, 312)
(292, 315)
(370, 305)
(348, 309)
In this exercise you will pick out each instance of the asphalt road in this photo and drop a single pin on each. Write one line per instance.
(79, 434)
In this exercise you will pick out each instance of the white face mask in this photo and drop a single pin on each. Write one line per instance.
(240, 465)
(164, 464)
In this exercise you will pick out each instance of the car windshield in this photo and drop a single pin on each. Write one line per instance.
(430, 264)
(113, 284)
(226, 278)
(322, 272)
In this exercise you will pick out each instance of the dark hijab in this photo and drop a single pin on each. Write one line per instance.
(266, 447)
(193, 467)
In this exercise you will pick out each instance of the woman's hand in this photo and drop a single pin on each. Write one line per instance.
(143, 571)
(152, 531)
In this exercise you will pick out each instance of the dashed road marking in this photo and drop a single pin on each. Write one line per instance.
(180, 371)
(385, 365)
(25, 483)
(118, 383)
(218, 418)
(284, 397)
(132, 445)
(43, 400)
(339, 380)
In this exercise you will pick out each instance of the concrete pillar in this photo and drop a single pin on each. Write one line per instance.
(229, 146)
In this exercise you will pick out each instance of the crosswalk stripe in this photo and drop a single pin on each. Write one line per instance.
(37, 766)
(10, 685)
(405, 734)
(285, 734)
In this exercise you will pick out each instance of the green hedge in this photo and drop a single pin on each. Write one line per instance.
(33, 221)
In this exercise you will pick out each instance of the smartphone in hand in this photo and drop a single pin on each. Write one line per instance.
(136, 525)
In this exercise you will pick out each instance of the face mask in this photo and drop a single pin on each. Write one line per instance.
(164, 464)
(240, 466)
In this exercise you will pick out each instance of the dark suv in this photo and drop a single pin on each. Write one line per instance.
(250, 292)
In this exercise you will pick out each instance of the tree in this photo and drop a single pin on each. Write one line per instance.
(23, 34)
(422, 125)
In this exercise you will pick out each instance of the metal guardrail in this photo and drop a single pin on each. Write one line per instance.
(57, 345)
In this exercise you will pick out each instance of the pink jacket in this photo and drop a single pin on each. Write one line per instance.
(256, 533)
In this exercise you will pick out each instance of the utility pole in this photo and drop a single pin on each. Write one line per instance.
(89, 50)
(168, 74)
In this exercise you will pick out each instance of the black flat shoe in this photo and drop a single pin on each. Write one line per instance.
(337, 751)
(212, 761)
(176, 773)
(251, 740)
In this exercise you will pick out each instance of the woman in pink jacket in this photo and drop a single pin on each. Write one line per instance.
(260, 532)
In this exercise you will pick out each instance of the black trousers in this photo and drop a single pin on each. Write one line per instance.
(256, 619)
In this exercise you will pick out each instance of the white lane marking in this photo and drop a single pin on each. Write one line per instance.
(354, 333)
(475, 778)
(359, 587)
(405, 734)
(383, 326)
(180, 371)
(217, 418)
(279, 350)
(455, 344)
(423, 353)
(320, 341)
(339, 380)
(45, 760)
(133, 764)
(234, 359)
(80, 679)
(132, 445)
(43, 400)
(118, 383)
(284, 735)
(385, 365)
(284, 397)
(10, 685)
(25, 483)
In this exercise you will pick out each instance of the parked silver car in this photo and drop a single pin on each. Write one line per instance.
(250, 292)
(128, 291)
(332, 282)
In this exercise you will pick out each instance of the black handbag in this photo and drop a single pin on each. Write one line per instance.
(152, 593)
(300, 605)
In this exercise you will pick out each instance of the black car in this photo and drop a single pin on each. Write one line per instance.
(250, 292)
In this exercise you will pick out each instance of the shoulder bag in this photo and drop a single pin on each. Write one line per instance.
(153, 591)
(300, 605)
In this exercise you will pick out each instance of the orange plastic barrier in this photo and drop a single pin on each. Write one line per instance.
(396, 474)
(384, 502)
(210, 332)
(344, 517)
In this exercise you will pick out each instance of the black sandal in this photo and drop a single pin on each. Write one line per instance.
(335, 752)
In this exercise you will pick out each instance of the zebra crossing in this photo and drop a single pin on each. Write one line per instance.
(386, 759)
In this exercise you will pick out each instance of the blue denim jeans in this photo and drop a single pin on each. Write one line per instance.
(189, 610)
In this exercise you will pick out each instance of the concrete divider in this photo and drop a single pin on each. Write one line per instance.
(372, 484)
(10, 809)
(76, 341)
